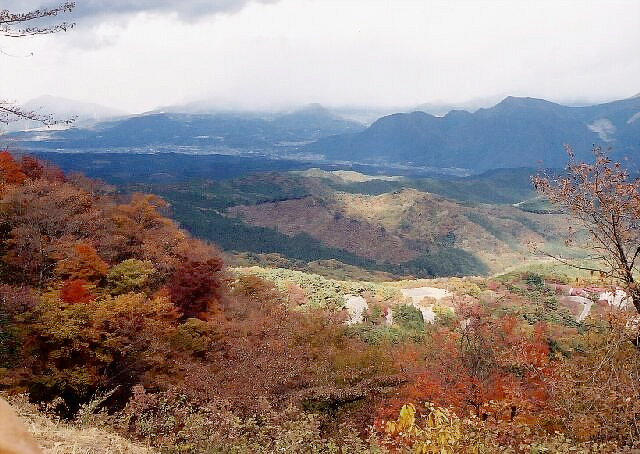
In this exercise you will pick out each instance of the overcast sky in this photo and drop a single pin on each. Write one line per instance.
(140, 54)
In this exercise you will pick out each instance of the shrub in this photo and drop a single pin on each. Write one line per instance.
(408, 317)
(173, 423)
(196, 337)
(444, 315)
(13, 302)
(80, 261)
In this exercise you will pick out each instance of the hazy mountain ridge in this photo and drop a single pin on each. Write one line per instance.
(234, 130)
(515, 132)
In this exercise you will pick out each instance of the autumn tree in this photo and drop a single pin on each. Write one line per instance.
(10, 171)
(41, 218)
(20, 24)
(131, 275)
(80, 261)
(194, 287)
(76, 291)
(605, 200)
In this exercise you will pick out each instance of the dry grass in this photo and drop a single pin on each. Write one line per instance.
(56, 437)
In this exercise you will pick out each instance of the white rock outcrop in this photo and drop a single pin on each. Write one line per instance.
(355, 307)
(418, 295)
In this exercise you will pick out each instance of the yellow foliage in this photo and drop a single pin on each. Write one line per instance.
(440, 432)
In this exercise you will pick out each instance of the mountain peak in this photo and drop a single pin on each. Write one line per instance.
(524, 102)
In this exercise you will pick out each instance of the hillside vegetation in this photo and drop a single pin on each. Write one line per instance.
(399, 227)
(113, 318)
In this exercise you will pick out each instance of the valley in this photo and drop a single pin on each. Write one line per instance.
(314, 218)
(328, 298)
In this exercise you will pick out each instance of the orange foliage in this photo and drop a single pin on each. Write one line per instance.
(10, 172)
(495, 367)
(76, 291)
(81, 261)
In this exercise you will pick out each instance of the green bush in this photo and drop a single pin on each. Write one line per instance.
(131, 275)
(408, 317)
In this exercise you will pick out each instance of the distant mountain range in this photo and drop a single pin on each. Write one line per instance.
(516, 132)
(224, 130)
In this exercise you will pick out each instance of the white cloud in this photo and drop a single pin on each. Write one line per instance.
(337, 52)
(604, 128)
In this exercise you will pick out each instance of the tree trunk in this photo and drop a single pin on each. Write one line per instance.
(635, 298)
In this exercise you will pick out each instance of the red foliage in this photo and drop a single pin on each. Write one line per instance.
(194, 287)
(31, 167)
(81, 262)
(492, 366)
(75, 291)
(10, 172)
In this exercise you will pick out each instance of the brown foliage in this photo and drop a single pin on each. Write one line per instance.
(596, 392)
(195, 287)
(42, 217)
(31, 167)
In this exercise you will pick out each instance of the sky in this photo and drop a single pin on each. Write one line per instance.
(276, 54)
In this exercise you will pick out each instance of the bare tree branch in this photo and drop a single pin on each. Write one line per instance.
(10, 22)
(18, 25)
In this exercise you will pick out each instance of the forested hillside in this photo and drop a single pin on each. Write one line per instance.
(265, 211)
(396, 225)
(112, 316)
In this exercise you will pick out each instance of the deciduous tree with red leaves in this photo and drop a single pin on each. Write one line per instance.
(605, 200)
(76, 291)
(194, 287)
